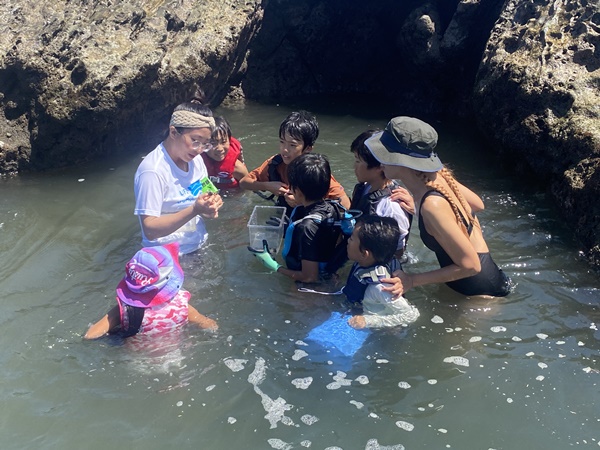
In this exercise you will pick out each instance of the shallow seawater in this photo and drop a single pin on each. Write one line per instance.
(520, 372)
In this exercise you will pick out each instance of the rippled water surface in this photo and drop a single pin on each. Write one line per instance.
(516, 373)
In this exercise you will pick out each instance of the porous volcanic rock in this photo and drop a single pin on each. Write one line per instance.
(537, 96)
(80, 78)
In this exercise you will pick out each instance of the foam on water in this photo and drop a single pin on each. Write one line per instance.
(235, 365)
(458, 360)
(373, 444)
(339, 380)
(405, 425)
(299, 354)
(279, 444)
(302, 383)
(275, 408)
(308, 419)
(362, 379)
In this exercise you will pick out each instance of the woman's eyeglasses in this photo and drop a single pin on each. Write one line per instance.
(197, 144)
(204, 146)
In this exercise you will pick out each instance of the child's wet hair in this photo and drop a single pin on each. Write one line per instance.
(222, 128)
(379, 235)
(359, 148)
(310, 173)
(301, 125)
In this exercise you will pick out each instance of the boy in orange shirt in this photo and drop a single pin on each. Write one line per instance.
(297, 135)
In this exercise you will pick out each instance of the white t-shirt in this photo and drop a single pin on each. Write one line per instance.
(163, 188)
(381, 310)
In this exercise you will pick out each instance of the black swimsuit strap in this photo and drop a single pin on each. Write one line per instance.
(468, 225)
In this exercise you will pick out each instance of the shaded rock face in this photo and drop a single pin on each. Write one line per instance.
(84, 79)
(545, 57)
(420, 56)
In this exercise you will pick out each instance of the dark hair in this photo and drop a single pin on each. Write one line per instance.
(379, 235)
(359, 148)
(300, 125)
(310, 173)
(197, 104)
(221, 128)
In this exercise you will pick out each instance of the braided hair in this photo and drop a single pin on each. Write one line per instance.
(447, 175)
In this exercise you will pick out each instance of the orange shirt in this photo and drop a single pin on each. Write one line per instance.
(261, 173)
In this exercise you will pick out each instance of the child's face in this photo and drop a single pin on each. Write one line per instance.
(363, 173)
(219, 151)
(353, 246)
(290, 148)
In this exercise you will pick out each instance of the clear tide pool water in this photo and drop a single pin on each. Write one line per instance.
(516, 373)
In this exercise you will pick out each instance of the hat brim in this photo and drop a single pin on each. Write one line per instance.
(388, 151)
(158, 296)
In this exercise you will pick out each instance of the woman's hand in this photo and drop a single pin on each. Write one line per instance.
(207, 205)
(400, 283)
(404, 199)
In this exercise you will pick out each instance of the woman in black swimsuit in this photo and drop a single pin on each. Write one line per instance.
(447, 222)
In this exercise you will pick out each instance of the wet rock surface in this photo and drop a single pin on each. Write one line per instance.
(544, 58)
(83, 79)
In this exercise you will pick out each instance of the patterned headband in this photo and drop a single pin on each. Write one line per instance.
(188, 119)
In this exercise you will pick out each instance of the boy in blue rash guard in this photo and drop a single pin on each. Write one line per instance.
(311, 237)
(371, 247)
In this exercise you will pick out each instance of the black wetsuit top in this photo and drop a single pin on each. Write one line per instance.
(490, 281)
(313, 241)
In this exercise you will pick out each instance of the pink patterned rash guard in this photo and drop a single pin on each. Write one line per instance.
(163, 317)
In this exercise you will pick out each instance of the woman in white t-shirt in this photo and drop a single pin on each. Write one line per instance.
(172, 191)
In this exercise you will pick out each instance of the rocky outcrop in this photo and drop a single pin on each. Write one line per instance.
(544, 57)
(82, 79)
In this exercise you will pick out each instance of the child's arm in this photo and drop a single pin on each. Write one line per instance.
(105, 325)
(308, 274)
(336, 192)
(258, 180)
(274, 187)
(383, 310)
(201, 320)
(239, 170)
